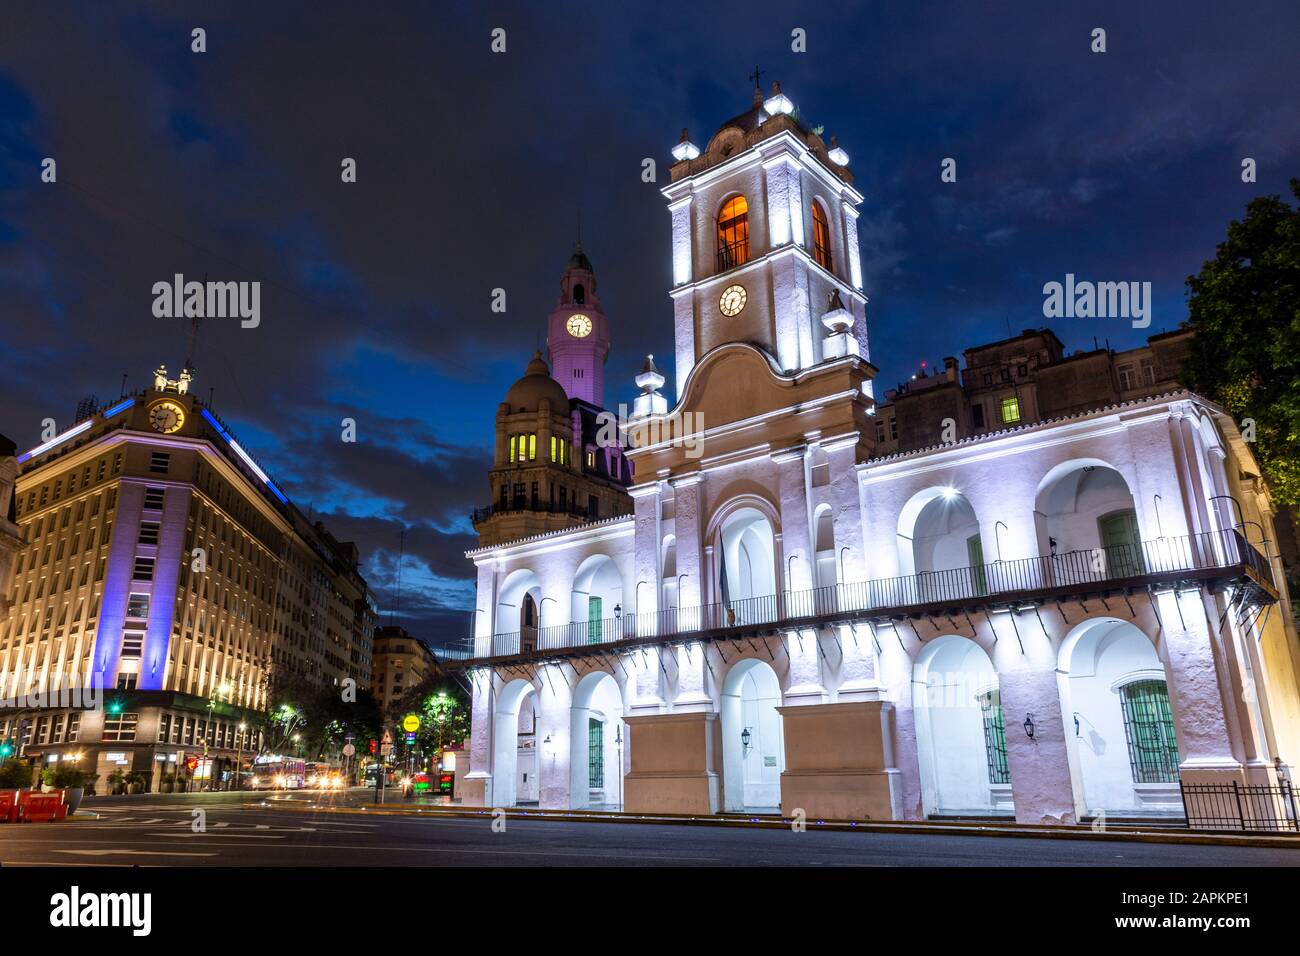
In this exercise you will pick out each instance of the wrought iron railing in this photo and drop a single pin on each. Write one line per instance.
(1236, 806)
(999, 582)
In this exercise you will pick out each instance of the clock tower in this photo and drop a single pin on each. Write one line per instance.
(765, 242)
(577, 333)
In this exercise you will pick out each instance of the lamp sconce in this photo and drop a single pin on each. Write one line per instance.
(618, 611)
(1029, 726)
(745, 738)
(1076, 723)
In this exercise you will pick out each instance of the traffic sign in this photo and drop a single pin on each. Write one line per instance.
(349, 750)
(410, 723)
(388, 736)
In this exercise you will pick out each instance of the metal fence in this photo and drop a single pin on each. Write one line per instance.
(1004, 581)
(1235, 806)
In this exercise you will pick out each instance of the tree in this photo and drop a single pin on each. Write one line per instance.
(442, 707)
(1244, 306)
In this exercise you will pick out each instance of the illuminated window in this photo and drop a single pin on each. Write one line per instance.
(532, 447)
(555, 451)
(1010, 410)
(513, 440)
(733, 234)
(821, 237)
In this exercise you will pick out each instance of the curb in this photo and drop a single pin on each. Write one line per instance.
(1118, 833)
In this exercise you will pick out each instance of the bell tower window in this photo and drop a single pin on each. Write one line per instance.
(579, 294)
(733, 234)
(821, 237)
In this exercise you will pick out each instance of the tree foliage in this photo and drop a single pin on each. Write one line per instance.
(1245, 308)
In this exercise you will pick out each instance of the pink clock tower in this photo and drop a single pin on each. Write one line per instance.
(577, 334)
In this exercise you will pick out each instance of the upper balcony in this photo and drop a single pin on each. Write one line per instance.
(1213, 559)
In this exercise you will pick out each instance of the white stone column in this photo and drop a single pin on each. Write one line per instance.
(648, 537)
(485, 609)
(647, 670)
(1025, 659)
(796, 532)
(476, 790)
(691, 687)
(846, 514)
(806, 685)
(1209, 745)
(554, 707)
(855, 255)
(690, 556)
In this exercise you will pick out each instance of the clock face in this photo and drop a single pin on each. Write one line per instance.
(166, 417)
(579, 326)
(732, 300)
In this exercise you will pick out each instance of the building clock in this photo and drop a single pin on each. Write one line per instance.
(579, 326)
(732, 300)
(166, 417)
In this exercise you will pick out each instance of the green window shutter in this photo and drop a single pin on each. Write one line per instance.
(595, 753)
(595, 614)
(1149, 731)
(975, 555)
(995, 737)
(1122, 544)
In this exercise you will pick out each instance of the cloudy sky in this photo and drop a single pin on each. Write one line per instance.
(473, 170)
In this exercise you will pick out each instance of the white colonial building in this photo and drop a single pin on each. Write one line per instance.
(1050, 621)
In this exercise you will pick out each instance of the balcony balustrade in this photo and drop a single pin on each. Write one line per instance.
(1222, 556)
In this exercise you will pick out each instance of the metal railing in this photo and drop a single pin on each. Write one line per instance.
(1236, 806)
(1003, 582)
(524, 504)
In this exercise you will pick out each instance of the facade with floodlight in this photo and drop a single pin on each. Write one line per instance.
(162, 580)
(1050, 620)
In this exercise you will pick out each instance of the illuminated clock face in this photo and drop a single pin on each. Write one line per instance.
(579, 326)
(166, 417)
(732, 300)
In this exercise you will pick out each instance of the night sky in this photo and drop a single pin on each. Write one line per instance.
(473, 171)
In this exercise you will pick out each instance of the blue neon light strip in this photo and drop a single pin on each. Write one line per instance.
(119, 407)
(57, 439)
(230, 440)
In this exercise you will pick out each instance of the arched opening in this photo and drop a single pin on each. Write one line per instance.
(824, 545)
(518, 617)
(597, 601)
(669, 589)
(598, 744)
(1087, 522)
(753, 748)
(747, 567)
(514, 752)
(1123, 745)
(733, 233)
(579, 294)
(960, 733)
(821, 236)
(939, 542)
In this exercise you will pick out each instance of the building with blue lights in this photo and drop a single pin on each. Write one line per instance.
(160, 563)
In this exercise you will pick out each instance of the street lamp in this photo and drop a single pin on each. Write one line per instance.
(239, 759)
(1029, 726)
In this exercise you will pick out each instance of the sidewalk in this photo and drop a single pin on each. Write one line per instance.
(1116, 832)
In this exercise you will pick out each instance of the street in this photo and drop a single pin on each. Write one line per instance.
(280, 829)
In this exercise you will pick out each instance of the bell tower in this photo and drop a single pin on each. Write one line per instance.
(765, 241)
(577, 333)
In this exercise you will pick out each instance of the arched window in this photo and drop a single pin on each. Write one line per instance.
(733, 233)
(579, 294)
(821, 237)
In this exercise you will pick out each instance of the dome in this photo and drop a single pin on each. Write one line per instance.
(526, 394)
(579, 260)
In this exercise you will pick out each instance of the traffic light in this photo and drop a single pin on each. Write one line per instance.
(6, 749)
(374, 745)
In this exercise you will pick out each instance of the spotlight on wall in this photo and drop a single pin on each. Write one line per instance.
(949, 493)
(1029, 726)
(744, 743)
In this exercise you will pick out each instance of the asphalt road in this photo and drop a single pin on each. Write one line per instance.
(287, 831)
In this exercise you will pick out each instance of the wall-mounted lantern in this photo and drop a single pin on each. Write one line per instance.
(1029, 726)
(745, 738)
